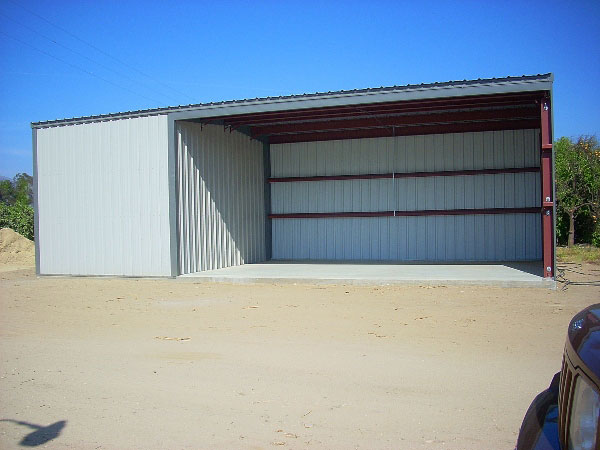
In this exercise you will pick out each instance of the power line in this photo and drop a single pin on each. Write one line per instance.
(98, 49)
(71, 50)
(77, 67)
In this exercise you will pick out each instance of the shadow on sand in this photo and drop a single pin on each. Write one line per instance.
(41, 434)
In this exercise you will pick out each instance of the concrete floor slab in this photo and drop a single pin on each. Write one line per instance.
(507, 274)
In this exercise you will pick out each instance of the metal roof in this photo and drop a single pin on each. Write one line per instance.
(487, 86)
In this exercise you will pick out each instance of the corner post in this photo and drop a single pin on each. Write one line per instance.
(173, 193)
(36, 202)
(547, 180)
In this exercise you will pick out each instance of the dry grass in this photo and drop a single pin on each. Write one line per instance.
(578, 254)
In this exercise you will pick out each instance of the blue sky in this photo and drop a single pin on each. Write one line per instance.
(145, 54)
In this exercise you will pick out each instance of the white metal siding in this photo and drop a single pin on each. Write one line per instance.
(103, 198)
(221, 214)
(439, 238)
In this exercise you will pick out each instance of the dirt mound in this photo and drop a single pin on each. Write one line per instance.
(16, 250)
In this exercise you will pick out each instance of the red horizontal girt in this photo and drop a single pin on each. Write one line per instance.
(370, 176)
(267, 117)
(461, 127)
(367, 111)
(424, 119)
(427, 212)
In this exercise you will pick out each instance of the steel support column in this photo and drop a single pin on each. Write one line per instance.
(547, 188)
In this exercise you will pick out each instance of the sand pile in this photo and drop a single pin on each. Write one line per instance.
(16, 250)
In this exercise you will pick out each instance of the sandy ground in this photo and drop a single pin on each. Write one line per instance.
(16, 251)
(91, 363)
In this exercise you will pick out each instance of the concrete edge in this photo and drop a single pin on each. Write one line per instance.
(543, 283)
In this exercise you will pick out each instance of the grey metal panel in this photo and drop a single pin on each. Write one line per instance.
(455, 151)
(221, 214)
(437, 238)
(440, 238)
(103, 198)
(413, 153)
(174, 237)
(267, 199)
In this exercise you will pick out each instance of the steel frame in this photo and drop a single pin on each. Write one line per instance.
(547, 188)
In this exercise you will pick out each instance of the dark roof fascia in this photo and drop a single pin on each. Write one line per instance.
(463, 88)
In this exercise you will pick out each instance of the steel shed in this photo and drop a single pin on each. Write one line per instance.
(454, 171)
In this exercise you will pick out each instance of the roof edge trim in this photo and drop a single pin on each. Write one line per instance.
(540, 82)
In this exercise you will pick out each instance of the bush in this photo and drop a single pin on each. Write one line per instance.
(596, 237)
(562, 227)
(19, 217)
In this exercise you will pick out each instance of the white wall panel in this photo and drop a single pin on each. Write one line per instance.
(221, 214)
(103, 198)
(440, 238)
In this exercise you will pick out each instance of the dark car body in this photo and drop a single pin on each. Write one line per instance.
(566, 416)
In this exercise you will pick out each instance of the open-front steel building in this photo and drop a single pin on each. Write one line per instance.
(458, 171)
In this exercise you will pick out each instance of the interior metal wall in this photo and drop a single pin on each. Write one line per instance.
(221, 211)
(439, 238)
(103, 198)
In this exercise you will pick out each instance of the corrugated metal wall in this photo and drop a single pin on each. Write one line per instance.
(439, 238)
(103, 198)
(221, 214)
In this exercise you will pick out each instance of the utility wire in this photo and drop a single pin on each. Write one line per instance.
(100, 50)
(73, 51)
(77, 67)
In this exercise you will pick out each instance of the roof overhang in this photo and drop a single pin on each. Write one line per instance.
(474, 105)
(399, 118)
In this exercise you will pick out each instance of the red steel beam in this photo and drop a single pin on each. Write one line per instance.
(370, 176)
(372, 110)
(336, 124)
(378, 108)
(547, 188)
(352, 113)
(426, 212)
(463, 127)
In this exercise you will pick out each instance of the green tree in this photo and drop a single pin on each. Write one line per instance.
(19, 189)
(577, 179)
(16, 196)
(18, 217)
(7, 192)
(23, 184)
